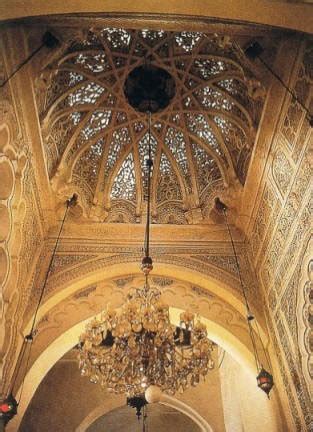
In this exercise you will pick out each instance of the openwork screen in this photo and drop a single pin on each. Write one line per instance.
(96, 143)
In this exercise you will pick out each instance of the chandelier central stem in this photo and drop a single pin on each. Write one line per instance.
(147, 260)
(137, 348)
(149, 163)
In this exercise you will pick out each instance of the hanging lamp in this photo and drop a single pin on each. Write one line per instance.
(264, 379)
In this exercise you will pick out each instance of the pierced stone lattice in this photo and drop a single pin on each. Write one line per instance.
(207, 169)
(206, 129)
(168, 188)
(124, 186)
(120, 140)
(89, 161)
(175, 140)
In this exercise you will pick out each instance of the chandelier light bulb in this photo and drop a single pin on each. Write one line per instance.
(137, 348)
(153, 394)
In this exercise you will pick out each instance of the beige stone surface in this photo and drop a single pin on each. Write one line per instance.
(97, 260)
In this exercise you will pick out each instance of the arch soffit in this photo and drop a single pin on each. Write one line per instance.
(166, 400)
(224, 322)
(207, 285)
(283, 14)
(83, 299)
(68, 339)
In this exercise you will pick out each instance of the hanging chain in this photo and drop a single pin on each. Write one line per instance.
(28, 340)
(250, 317)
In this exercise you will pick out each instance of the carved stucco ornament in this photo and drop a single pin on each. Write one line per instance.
(95, 141)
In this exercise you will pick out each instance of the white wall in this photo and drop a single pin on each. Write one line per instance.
(246, 407)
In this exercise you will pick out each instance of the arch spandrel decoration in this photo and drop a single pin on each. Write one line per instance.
(62, 314)
(93, 138)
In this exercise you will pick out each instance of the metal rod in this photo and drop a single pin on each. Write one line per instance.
(25, 371)
(2, 425)
(68, 204)
(18, 364)
(48, 40)
(256, 355)
(263, 347)
(22, 64)
(149, 165)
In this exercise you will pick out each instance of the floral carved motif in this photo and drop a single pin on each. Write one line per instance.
(96, 143)
(282, 171)
(279, 244)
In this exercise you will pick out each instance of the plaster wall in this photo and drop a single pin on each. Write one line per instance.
(64, 399)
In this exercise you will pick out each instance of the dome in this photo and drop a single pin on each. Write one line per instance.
(96, 142)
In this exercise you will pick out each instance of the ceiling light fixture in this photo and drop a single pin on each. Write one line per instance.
(129, 350)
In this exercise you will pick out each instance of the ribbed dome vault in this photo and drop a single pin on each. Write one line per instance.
(96, 143)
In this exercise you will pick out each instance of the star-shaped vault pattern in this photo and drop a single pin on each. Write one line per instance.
(96, 143)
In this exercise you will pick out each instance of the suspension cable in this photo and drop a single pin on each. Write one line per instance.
(28, 340)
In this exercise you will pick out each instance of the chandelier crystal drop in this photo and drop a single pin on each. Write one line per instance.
(126, 351)
(130, 349)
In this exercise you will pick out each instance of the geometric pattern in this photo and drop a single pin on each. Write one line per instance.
(96, 142)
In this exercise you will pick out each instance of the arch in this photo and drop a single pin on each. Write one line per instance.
(67, 283)
(280, 14)
(69, 305)
(165, 400)
(68, 296)
(67, 340)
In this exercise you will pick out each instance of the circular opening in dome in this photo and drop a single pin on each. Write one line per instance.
(4, 222)
(149, 88)
(7, 179)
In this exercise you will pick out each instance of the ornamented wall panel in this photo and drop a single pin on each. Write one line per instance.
(76, 260)
(280, 241)
(20, 228)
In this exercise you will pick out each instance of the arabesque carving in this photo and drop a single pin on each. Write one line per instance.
(96, 143)
(280, 236)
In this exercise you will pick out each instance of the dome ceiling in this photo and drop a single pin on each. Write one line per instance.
(96, 143)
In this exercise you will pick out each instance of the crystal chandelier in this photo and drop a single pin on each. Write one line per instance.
(131, 349)
(126, 351)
